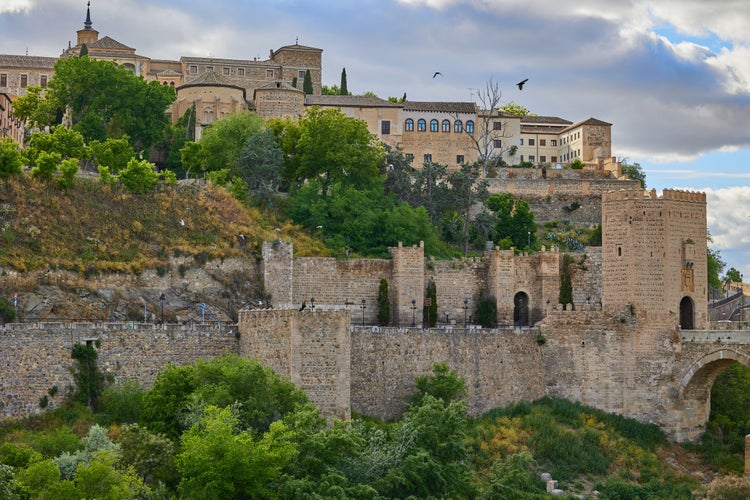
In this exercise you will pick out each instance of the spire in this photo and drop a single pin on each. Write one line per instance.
(87, 23)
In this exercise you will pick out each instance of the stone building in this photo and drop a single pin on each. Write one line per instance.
(10, 126)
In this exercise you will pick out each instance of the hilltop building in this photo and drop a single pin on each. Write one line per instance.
(451, 133)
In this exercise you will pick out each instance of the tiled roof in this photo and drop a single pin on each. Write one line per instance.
(108, 43)
(590, 121)
(444, 107)
(546, 120)
(11, 61)
(297, 46)
(168, 72)
(215, 61)
(361, 101)
(210, 79)
(279, 85)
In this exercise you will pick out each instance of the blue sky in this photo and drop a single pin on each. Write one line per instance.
(672, 76)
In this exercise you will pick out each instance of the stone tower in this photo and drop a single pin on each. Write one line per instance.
(88, 34)
(654, 254)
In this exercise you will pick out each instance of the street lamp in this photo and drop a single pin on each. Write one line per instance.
(363, 306)
(312, 304)
(528, 245)
(413, 313)
(161, 301)
(466, 310)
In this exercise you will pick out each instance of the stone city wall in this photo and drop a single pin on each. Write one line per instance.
(36, 356)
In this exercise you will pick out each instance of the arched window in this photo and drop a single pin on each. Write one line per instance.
(409, 125)
(521, 310)
(470, 126)
(433, 125)
(446, 126)
(422, 125)
(686, 314)
(458, 126)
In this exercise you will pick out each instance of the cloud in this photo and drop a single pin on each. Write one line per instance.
(13, 6)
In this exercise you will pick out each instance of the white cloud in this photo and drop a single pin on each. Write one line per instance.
(14, 6)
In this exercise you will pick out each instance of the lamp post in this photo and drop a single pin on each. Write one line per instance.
(528, 245)
(161, 301)
(413, 313)
(466, 310)
(312, 304)
(363, 306)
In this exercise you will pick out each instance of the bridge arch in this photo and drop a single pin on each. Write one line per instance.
(695, 385)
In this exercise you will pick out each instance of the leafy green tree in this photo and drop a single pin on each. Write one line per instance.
(84, 50)
(337, 148)
(123, 402)
(89, 380)
(332, 90)
(68, 170)
(384, 304)
(515, 220)
(486, 314)
(343, 90)
(223, 143)
(112, 153)
(139, 176)
(35, 108)
(10, 158)
(216, 461)
(733, 276)
(46, 166)
(714, 267)
(151, 455)
(444, 384)
(192, 158)
(577, 164)
(65, 142)
(468, 190)
(7, 311)
(287, 133)
(566, 281)
(101, 479)
(634, 172)
(307, 85)
(106, 100)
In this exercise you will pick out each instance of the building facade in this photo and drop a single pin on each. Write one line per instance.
(10, 126)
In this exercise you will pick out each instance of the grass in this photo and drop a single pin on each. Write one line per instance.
(94, 228)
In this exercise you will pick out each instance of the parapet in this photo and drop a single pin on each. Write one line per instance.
(676, 194)
(667, 194)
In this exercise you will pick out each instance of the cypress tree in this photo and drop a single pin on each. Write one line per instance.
(294, 82)
(342, 88)
(307, 85)
(84, 51)
(429, 316)
(384, 306)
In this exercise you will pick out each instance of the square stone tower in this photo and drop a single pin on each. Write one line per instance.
(654, 253)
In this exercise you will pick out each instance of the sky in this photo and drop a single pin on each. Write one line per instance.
(672, 76)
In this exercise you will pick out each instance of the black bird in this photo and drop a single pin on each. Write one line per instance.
(520, 84)
(303, 306)
(437, 73)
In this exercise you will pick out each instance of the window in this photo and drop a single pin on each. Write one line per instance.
(209, 68)
(421, 125)
(409, 157)
(542, 142)
(24, 81)
(497, 143)
(459, 159)
(521, 142)
(532, 158)
(225, 71)
(553, 143)
(496, 125)
(470, 127)
(193, 69)
(458, 126)
(3, 80)
(428, 158)
(43, 81)
(521, 158)
(409, 125)
(531, 142)
(543, 159)
(269, 73)
(240, 71)
(446, 126)
(433, 125)
(553, 159)
(385, 127)
(301, 74)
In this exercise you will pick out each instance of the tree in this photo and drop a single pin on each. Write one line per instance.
(515, 220)
(343, 90)
(10, 158)
(486, 314)
(89, 380)
(105, 100)
(139, 176)
(216, 461)
(634, 172)
(714, 266)
(307, 85)
(332, 90)
(112, 153)
(260, 163)
(444, 384)
(36, 108)
(733, 276)
(62, 141)
(468, 190)
(84, 50)
(384, 304)
(430, 309)
(223, 143)
(336, 148)
(486, 136)
(512, 108)
(566, 282)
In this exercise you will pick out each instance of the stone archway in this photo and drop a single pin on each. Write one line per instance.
(521, 310)
(687, 314)
(695, 391)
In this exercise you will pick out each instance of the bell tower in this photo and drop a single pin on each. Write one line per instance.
(88, 34)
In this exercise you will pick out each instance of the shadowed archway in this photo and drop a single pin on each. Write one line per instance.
(521, 309)
(687, 314)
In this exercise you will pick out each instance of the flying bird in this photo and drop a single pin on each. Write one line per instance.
(437, 73)
(521, 83)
